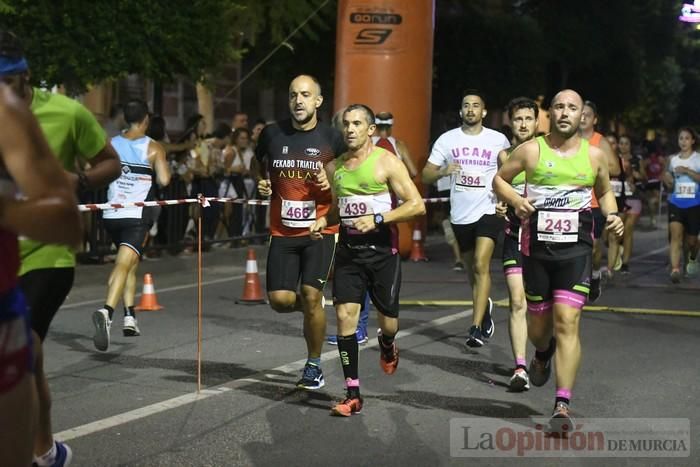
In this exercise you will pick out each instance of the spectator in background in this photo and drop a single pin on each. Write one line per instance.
(240, 120)
(257, 128)
(172, 221)
(115, 124)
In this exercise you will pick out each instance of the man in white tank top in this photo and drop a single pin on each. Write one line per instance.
(469, 154)
(140, 157)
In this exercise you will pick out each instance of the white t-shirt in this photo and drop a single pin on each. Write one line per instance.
(471, 195)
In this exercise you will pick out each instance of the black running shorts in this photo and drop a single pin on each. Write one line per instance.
(689, 217)
(291, 259)
(564, 281)
(489, 225)
(131, 233)
(358, 271)
(512, 258)
(598, 223)
(45, 291)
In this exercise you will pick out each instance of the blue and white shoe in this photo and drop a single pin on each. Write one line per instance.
(311, 378)
(64, 455)
(361, 334)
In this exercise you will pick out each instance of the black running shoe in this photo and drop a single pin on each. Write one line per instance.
(487, 325)
(311, 378)
(596, 290)
(475, 338)
(561, 421)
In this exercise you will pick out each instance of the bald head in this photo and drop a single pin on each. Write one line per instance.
(306, 82)
(565, 112)
(568, 95)
(304, 99)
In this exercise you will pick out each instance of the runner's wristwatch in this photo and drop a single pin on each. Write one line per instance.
(378, 219)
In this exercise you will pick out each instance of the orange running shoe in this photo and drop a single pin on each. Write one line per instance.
(388, 358)
(349, 406)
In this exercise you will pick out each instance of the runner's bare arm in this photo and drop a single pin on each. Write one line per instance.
(612, 160)
(604, 193)
(160, 163)
(690, 173)
(391, 169)
(49, 213)
(105, 167)
(512, 166)
(406, 158)
(432, 172)
(332, 217)
(264, 184)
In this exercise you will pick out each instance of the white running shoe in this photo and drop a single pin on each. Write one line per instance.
(131, 327)
(100, 319)
(520, 381)
(692, 267)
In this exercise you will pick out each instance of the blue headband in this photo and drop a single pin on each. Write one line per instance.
(12, 65)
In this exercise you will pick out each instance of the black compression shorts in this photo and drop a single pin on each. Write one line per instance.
(291, 259)
(45, 291)
(512, 258)
(488, 225)
(564, 281)
(128, 232)
(689, 217)
(358, 271)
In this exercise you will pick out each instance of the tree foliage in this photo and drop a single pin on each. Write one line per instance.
(76, 43)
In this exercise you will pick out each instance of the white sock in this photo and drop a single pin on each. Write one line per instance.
(596, 274)
(47, 458)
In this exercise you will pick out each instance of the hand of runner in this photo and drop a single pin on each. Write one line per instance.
(451, 169)
(680, 170)
(501, 209)
(523, 209)
(317, 227)
(265, 187)
(322, 179)
(614, 224)
(365, 223)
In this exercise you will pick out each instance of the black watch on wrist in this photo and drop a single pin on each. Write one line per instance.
(378, 219)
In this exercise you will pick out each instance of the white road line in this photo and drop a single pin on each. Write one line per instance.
(163, 290)
(651, 253)
(185, 399)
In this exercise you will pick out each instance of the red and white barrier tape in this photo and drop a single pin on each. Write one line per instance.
(203, 201)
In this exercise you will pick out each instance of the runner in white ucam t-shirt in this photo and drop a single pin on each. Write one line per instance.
(477, 155)
(470, 154)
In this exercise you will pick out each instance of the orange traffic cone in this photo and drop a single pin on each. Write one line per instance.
(417, 253)
(252, 294)
(148, 297)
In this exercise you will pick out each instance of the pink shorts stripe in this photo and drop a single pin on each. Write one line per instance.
(567, 297)
(540, 308)
(513, 270)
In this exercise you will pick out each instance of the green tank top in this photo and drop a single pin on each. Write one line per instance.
(360, 194)
(360, 180)
(560, 189)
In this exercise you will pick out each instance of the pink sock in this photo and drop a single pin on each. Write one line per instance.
(564, 393)
(352, 383)
(520, 362)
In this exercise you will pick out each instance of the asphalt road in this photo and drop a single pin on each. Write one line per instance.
(137, 404)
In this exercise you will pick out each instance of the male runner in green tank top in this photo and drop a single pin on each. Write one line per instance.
(367, 256)
(522, 112)
(556, 239)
